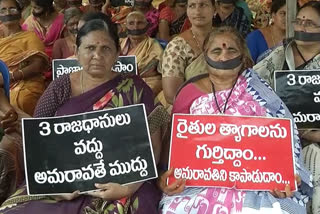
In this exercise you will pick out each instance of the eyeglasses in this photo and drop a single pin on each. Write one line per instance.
(11, 10)
(305, 23)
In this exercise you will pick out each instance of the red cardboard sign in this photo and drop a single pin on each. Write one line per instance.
(248, 153)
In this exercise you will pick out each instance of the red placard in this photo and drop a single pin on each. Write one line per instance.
(248, 153)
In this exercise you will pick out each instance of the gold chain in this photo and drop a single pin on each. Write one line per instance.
(195, 39)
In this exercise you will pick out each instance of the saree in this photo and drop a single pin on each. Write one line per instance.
(265, 69)
(176, 24)
(11, 161)
(57, 100)
(15, 51)
(148, 53)
(250, 97)
(179, 60)
(47, 35)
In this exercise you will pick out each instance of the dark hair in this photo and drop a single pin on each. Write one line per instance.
(313, 4)
(70, 13)
(276, 5)
(47, 5)
(98, 25)
(212, 1)
(228, 2)
(95, 15)
(16, 2)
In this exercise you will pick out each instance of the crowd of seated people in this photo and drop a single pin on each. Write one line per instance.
(180, 47)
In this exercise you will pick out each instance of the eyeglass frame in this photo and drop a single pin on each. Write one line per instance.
(303, 23)
(11, 10)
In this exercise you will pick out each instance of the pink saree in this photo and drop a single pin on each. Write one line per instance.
(49, 35)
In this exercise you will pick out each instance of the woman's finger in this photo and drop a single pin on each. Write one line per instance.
(178, 189)
(167, 174)
(97, 193)
(279, 194)
(288, 191)
(173, 186)
(298, 179)
(102, 186)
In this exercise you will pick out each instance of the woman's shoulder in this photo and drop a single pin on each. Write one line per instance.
(177, 44)
(62, 81)
(255, 35)
(192, 84)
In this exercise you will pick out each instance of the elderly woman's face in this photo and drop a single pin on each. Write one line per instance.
(308, 20)
(97, 53)
(200, 12)
(72, 24)
(223, 48)
(136, 23)
(9, 13)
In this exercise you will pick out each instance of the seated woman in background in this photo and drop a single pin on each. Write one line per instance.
(119, 15)
(11, 157)
(94, 6)
(23, 52)
(263, 41)
(96, 87)
(64, 47)
(229, 14)
(147, 50)
(183, 58)
(173, 20)
(46, 22)
(301, 53)
(231, 88)
(60, 5)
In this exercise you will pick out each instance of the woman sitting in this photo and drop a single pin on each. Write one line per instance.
(147, 50)
(11, 158)
(96, 87)
(183, 58)
(263, 41)
(23, 53)
(119, 15)
(64, 48)
(229, 14)
(173, 20)
(231, 88)
(46, 22)
(301, 53)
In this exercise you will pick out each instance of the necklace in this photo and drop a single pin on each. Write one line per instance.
(216, 100)
(195, 39)
(274, 43)
(81, 82)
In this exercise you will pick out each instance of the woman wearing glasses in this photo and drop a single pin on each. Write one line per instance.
(301, 53)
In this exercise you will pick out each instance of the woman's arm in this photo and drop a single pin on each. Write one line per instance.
(164, 30)
(36, 65)
(170, 87)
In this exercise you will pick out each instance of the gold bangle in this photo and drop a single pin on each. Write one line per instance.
(22, 74)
